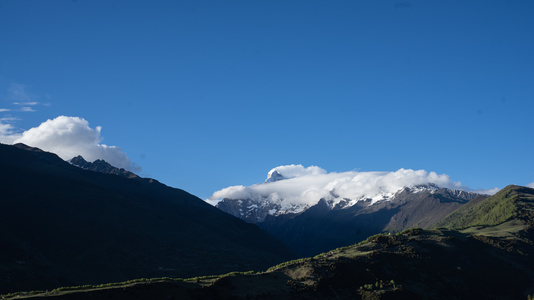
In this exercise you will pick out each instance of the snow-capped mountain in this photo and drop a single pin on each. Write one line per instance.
(293, 189)
(274, 175)
(255, 210)
(313, 211)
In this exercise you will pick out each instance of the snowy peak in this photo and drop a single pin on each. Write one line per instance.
(295, 188)
(273, 176)
(433, 189)
(256, 210)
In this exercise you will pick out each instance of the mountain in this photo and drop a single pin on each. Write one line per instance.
(63, 225)
(326, 226)
(274, 175)
(101, 166)
(481, 262)
(508, 204)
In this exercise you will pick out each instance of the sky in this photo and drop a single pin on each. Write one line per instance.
(204, 95)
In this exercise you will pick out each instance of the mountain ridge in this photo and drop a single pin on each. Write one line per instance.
(325, 226)
(413, 264)
(505, 205)
(256, 210)
(101, 166)
(63, 225)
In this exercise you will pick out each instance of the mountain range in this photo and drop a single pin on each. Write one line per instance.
(325, 226)
(63, 225)
(88, 230)
(482, 261)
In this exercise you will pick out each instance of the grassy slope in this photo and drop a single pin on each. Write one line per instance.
(497, 209)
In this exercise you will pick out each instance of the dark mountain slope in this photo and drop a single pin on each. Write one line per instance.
(320, 228)
(62, 225)
(416, 264)
(101, 166)
(495, 263)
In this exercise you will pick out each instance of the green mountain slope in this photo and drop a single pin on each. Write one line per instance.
(512, 202)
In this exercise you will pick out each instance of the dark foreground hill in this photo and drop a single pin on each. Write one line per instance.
(61, 225)
(417, 264)
(480, 262)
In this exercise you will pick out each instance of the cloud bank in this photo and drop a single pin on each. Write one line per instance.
(306, 186)
(68, 137)
(531, 185)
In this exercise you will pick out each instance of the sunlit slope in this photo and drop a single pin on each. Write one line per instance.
(511, 203)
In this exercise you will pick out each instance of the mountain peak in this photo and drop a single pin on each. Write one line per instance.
(101, 166)
(79, 161)
(273, 176)
(28, 148)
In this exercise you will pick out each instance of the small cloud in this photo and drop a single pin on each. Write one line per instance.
(25, 103)
(18, 93)
(7, 132)
(490, 192)
(9, 119)
(531, 185)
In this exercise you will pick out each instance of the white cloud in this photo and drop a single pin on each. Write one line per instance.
(27, 108)
(492, 191)
(9, 119)
(7, 135)
(4, 109)
(307, 186)
(68, 137)
(531, 185)
(26, 103)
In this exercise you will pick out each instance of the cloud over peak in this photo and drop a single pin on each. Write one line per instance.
(306, 186)
(68, 137)
(292, 171)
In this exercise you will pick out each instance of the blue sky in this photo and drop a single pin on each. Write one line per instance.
(202, 95)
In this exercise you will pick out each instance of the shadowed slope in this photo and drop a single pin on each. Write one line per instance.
(416, 264)
(496, 262)
(61, 225)
(320, 229)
